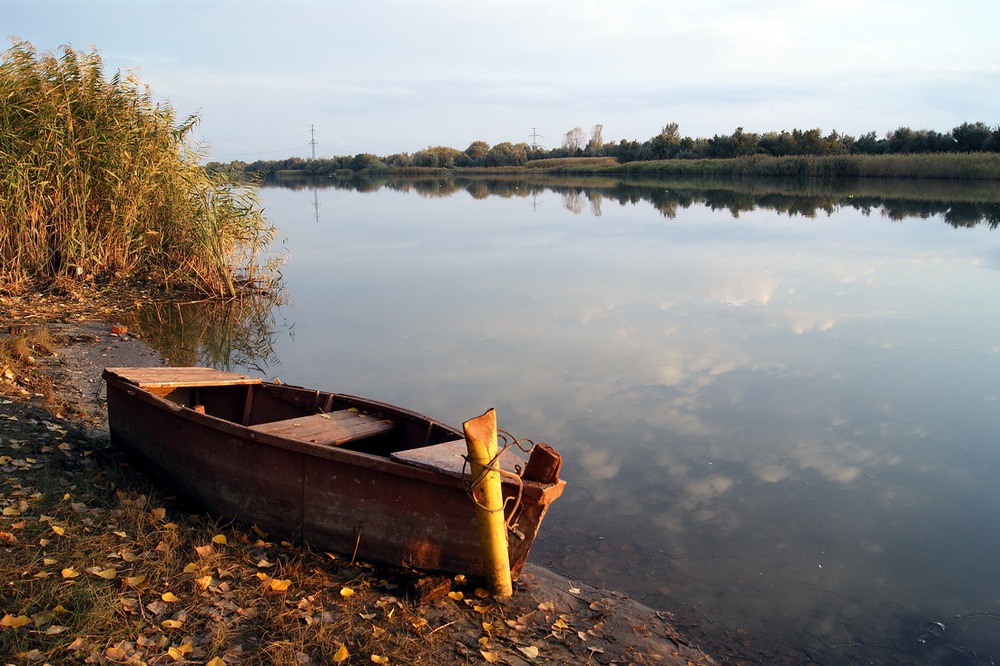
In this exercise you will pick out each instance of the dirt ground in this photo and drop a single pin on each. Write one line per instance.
(558, 620)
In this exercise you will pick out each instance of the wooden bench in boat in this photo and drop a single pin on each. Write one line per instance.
(329, 429)
(449, 457)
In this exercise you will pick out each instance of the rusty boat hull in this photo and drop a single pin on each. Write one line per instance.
(342, 473)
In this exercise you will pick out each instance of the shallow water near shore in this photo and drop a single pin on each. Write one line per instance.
(778, 406)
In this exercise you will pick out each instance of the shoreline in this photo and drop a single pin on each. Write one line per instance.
(558, 620)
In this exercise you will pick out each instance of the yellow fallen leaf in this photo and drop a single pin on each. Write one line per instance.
(530, 651)
(480, 609)
(59, 529)
(106, 574)
(482, 593)
(456, 595)
(135, 581)
(159, 513)
(216, 661)
(11, 511)
(169, 597)
(379, 659)
(560, 624)
(48, 561)
(377, 631)
(14, 622)
(280, 585)
(490, 657)
(203, 582)
(346, 592)
(178, 653)
(172, 624)
(263, 563)
(264, 576)
(204, 551)
(341, 655)
(59, 609)
(70, 572)
(191, 568)
(220, 539)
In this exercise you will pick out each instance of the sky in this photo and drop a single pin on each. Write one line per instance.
(395, 76)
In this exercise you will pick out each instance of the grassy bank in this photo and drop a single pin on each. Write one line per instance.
(102, 182)
(960, 166)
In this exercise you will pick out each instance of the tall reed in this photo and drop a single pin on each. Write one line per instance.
(99, 179)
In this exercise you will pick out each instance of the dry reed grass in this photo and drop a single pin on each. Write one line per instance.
(99, 180)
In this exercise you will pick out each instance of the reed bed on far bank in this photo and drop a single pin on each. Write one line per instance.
(959, 166)
(99, 180)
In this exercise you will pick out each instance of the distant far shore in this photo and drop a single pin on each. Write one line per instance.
(955, 166)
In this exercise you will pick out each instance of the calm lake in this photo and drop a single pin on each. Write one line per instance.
(779, 405)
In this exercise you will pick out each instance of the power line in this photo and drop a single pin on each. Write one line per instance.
(535, 136)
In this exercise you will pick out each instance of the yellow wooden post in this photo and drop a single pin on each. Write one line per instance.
(481, 440)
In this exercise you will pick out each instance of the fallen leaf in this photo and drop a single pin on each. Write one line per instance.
(341, 655)
(490, 657)
(178, 653)
(204, 551)
(14, 622)
(203, 582)
(263, 563)
(106, 574)
(169, 597)
(70, 572)
(379, 659)
(216, 661)
(172, 624)
(220, 539)
(59, 529)
(135, 581)
(159, 513)
(280, 585)
(346, 592)
(456, 595)
(530, 651)
(482, 593)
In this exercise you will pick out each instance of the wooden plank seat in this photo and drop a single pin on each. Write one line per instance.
(449, 458)
(330, 428)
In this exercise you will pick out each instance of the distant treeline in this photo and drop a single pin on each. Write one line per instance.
(667, 145)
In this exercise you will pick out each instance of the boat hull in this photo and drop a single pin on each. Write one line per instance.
(359, 504)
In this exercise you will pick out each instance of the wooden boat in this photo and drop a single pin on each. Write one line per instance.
(342, 473)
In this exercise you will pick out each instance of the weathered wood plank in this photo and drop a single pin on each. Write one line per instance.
(330, 429)
(164, 377)
(449, 457)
